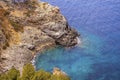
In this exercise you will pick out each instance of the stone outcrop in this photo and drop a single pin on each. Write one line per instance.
(28, 28)
(57, 71)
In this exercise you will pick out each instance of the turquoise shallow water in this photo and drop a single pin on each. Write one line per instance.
(98, 57)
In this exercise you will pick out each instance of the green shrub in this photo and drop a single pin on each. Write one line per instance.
(3, 77)
(59, 77)
(42, 75)
(13, 74)
(28, 72)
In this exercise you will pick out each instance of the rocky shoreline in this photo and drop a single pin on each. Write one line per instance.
(30, 27)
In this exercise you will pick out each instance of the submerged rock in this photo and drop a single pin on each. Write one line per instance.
(28, 28)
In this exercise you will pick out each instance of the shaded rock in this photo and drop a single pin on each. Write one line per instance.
(61, 32)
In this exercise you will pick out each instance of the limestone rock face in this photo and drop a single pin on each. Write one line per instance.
(36, 40)
(28, 28)
(61, 33)
(16, 56)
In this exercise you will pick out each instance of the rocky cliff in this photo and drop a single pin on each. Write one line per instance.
(29, 27)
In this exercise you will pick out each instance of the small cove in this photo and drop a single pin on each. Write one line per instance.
(98, 57)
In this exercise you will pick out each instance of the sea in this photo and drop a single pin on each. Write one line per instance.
(97, 57)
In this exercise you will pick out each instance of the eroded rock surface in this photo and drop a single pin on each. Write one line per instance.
(30, 27)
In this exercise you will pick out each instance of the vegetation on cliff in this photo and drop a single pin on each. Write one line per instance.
(29, 73)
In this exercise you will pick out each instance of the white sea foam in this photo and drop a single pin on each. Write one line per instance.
(79, 42)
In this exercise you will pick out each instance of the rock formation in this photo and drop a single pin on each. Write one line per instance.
(30, 27)
(57, 71)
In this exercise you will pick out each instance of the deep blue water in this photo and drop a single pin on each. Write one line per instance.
(98, 57)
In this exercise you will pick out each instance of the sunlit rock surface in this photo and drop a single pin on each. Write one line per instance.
(28, 28)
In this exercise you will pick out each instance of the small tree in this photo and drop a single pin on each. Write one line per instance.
(42, 75)
(3, 77)
(28, 72)
(13, 74)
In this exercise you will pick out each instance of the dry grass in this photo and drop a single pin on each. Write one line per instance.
(11, 35)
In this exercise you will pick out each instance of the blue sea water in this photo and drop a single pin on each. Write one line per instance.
(98, 57)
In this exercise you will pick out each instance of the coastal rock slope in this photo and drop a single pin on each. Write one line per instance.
(28, 27)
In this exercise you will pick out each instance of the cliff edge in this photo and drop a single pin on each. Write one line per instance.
(28, 27)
